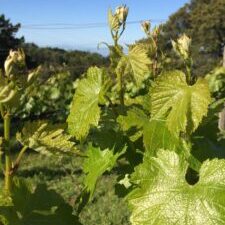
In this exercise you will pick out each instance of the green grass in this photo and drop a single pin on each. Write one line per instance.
(65, 176)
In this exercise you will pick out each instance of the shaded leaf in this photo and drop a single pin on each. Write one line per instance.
(38, 207)
(134, 118)
(216, 80)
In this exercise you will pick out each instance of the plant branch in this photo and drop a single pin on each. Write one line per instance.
(2, 111)
(8, 164)
(18, 160)
(120, 88)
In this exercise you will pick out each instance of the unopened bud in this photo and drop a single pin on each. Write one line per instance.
(156, 31)
(184, 41)
(122, 12)
(182, 46)
(146, 26)
(14, 62)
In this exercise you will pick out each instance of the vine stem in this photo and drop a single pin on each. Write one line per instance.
(8, 178)
(2, 110)
(1, 150)
(120, 88)
(188, 74)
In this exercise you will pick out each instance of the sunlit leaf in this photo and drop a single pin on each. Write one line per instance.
(135, 64)
(157, 136)
(45, 138)
(96, 164)
(85, 111)
(163, 195)
(182, 105)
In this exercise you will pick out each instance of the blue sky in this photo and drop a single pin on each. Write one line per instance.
(81, 12)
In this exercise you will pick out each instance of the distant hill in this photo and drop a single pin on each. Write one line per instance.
(77, 62)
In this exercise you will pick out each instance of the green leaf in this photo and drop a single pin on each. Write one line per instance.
(38, 207)
(141, 100)
(163, 195)
(96, 163)
(206, 141)
(113, 21)
(12, 90)
(157, 136)
(85, 111)
(107, 134)
(182, 105)
(213, 112)
(216, 80)
(135, 64)
(7, 90)
(45, 138)
(134, 118)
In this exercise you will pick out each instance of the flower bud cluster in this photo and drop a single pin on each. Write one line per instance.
(122, 12)
(146, 26)
(182, 46)
(118, 18)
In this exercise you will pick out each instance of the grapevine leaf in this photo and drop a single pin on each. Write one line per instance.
(216, 80)
(183, 105)
(45, 138)
(11, 91)
(107, 134)
(135, 64)
(135, 118)
(96, 163)
(85, 111)
(41, 206)
(108, 138)
(213, 112)
(113, 21)
(157, 130)
(8, 90)
(163, 195)
(142, 100)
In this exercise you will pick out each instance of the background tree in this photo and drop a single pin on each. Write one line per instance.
(7, 38)
(204, 22)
